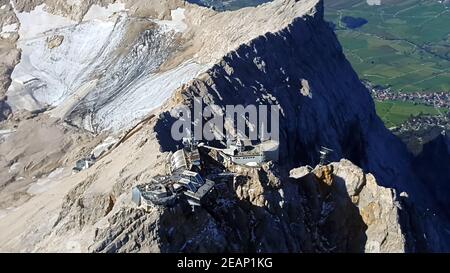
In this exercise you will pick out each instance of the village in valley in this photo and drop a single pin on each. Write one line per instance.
(435, 99)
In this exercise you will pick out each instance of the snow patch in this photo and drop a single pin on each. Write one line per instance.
(5, 133)
(61, 71)
(147, 95)
(14, 167)
(102, 148)
(83, 75)
(4, 212)
(97, 12)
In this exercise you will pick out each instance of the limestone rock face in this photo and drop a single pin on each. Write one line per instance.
(347, 192)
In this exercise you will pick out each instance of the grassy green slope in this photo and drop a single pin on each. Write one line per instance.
(394, 113)
(406, 44)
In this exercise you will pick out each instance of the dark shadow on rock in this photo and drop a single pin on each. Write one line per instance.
(5, 110)
(433, 165)
(414, 227)
(346, 224)
(163, 129)
(219, 5)
(308, 216)
(272, 69)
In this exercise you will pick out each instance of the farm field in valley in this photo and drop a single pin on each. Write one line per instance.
(404, 45)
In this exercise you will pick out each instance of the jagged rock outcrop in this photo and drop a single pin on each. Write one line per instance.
(378, 207)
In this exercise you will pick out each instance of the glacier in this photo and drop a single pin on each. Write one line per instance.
(94, 78)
